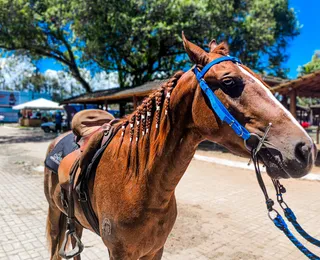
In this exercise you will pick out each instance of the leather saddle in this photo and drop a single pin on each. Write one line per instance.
(89, 127)
(93, 130)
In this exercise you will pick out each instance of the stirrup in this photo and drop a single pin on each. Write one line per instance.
(75, 251)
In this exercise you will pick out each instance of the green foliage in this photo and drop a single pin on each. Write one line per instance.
(140, 39)
(308, 68)
(41, 29)
(311, 66)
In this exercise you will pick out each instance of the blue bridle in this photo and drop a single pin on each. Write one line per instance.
(242, 132)
(216, 104)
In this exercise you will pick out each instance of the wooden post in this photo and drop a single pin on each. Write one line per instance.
(284, 101)
(135, 102)
(106, 105)
(122, 109)
(311, 116)
(293, 102)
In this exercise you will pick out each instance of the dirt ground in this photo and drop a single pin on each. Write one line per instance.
(221, 209)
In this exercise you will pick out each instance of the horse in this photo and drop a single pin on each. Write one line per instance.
(133, 193)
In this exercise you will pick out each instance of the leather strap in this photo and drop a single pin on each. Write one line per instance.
(216, 104)
(87, 175)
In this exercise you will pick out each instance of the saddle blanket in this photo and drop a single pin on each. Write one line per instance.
(65, 146)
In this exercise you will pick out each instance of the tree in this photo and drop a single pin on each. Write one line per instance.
(141, 39)
(42, 29)
(305, 69)
(14, 70)
(311, 66)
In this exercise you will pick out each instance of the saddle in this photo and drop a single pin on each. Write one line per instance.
(93, 130)
(88, 126)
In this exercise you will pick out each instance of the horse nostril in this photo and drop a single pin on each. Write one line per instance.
(303, 152)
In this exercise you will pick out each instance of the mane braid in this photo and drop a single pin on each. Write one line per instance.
(155, 107)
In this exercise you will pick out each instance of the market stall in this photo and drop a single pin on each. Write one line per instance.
(31, 111)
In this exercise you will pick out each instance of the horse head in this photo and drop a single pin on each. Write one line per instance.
(288, 150)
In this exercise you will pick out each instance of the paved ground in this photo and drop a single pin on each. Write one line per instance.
(221, 210)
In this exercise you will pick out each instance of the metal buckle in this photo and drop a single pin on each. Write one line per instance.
(82, 197)
(271, 214)
(283, 205)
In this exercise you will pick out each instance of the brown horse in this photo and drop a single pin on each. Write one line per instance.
(133, 194)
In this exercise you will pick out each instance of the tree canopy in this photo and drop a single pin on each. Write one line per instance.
(41, 29)
(312, 65)
(141, 40)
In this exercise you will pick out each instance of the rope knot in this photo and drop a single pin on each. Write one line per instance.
(279, 222)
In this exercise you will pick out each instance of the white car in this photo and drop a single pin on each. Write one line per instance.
(51, 126)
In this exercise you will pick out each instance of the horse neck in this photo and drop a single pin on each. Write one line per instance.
(172, 145)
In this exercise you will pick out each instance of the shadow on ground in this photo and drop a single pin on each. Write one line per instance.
(9, 139)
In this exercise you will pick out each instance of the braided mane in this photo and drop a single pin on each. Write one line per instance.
(147, 127)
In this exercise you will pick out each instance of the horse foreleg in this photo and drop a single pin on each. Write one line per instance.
(155, 256)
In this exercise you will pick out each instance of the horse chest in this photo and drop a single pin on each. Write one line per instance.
(147, 232)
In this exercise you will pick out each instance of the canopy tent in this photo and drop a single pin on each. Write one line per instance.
(41, 104)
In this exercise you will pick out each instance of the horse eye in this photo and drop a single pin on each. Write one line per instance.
(228, 82)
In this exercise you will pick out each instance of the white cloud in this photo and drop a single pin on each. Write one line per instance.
(14, 68)
(103, 80)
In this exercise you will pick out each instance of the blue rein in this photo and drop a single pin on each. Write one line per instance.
(242, 132)
(216, 104)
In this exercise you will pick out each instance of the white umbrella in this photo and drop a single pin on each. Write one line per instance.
(41, 103)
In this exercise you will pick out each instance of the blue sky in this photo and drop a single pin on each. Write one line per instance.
(300, 49)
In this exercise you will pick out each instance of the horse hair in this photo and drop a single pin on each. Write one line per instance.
(149, 126)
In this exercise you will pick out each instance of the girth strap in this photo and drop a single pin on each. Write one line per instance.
(87, 175)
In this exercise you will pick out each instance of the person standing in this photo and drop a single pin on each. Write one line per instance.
(58, 121)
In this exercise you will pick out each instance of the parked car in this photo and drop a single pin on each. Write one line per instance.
(47, 127)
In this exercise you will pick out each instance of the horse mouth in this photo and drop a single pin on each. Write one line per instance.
(283, 167)
(274, 163)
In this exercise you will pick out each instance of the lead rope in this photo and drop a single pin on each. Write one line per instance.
(277, 218)
(280, 189)
(272, 213)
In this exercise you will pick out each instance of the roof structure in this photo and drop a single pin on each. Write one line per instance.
(126, 94)
(305, 86)
(115, 94)
(273, 81)
(40, 103)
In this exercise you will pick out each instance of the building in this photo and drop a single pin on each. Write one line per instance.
(129, 98)
(8, 99)
(306, 86)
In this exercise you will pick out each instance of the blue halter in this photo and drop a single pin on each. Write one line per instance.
(216, 104)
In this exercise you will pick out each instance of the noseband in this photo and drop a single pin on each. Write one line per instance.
(242, 132)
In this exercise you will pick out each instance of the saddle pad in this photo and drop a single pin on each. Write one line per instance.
(64, 147)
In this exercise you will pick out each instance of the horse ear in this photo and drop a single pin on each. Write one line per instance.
(195, 53)
(212, 45)
(222, 49)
